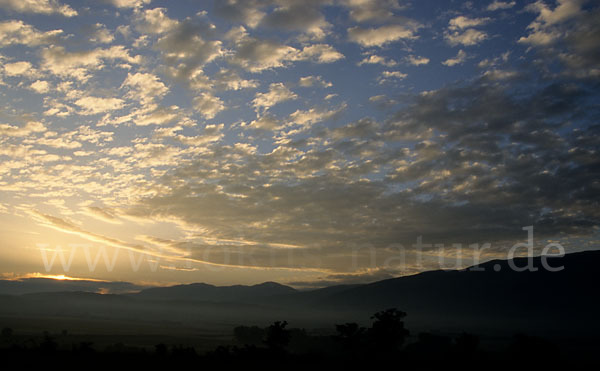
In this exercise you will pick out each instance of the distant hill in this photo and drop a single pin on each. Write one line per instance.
(210, 293)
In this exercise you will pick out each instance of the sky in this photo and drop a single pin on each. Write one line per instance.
(308, 142)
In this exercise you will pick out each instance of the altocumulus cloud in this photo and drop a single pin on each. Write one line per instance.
(298, 138)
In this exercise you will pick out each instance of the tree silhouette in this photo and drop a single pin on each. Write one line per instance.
(48, 345)
(83, 348)
(351, 336)
(277, 337)
(161, 350)
(387, 333)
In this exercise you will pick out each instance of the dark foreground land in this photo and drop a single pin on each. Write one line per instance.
(385, 342)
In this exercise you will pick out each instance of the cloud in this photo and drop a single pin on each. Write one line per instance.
(40, 86)
(277, 93)
(309, 81)
(51, 139)
(566, 34)
(373, 11)
(186, 47)
(288, 165)
(79, 64)
(227, 79)
(303, 17)
(144, 87)
(314, 115)
(498, 74)
(265, 121)
(129, 3)
(257, 55)
(56, 108)
(67, 226)
(417, 61)
(155, 21)
(18, 32)
(168, 250)
(469, 37)
(30, 127)
(565, 10)
(319, 53)
(101, 214)
(382, 101)
(148, 114)
(500, 5)
(518, 126)
(101, 35)
(460, 31)
(87, 134)
(387, 76)
(460, 58)
(545, 29)
(211, 133)
(376, 59)
(495, 61)
(208, 105)
(95, 105)
(434, 168)
(39, 7)
(369, 37)
(22, 68)
(462, 22)
(247, 12)
(188, 41)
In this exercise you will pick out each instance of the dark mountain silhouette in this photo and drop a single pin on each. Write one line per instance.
(493, 289)
(210, 293)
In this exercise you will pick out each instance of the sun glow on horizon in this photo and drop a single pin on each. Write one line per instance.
(58, 277)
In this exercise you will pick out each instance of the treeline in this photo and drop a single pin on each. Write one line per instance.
(384, 342)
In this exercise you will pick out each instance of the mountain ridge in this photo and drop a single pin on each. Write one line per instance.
(207, 292)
